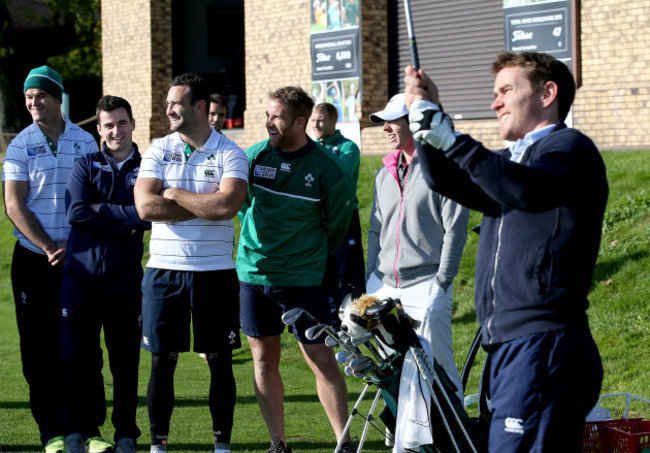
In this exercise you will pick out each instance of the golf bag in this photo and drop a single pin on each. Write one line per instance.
(447, 424)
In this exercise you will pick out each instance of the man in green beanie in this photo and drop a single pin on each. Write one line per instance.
(34, 177)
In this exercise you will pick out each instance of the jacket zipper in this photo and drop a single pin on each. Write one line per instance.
(399, 221)
(494, 276)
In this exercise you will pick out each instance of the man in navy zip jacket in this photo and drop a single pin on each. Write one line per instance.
(543, 202)
(101, 285)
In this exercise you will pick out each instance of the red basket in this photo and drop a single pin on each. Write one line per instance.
(595, 438)
(632, 437)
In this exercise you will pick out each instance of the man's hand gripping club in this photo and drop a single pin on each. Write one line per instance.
(428, 122)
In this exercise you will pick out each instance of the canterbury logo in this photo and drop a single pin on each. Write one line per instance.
(514, 425)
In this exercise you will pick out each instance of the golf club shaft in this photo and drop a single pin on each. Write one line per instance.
(415, 59)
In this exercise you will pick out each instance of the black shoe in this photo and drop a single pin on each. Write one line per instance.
(278, 447)
(347, 447)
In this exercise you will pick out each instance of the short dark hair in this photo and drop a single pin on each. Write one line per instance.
(109, 103)
(199, 89)
(294, 97)
(541, 68)
(328, 109)
(219, 100)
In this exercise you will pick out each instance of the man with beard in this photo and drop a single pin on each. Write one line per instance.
(297, 212)
(190, 186)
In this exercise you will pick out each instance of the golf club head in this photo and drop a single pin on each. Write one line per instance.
(356, 342)
(343, 335)
(315, 331)
(362, 372)
(343, 357)
(361, 362)
(331, 342)
(348, 371)
(290, 317)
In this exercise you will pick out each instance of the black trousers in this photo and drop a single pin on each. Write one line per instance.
(87, 307)
(36, 286)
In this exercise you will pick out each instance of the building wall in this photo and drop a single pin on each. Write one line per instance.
(136, 49)
(611, 106)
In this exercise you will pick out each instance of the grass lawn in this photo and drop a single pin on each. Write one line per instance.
(619, 315)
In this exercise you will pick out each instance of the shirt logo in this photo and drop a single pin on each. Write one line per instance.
(232, 336)
(177, 157)
(77, 148)
(64, 312)
(264, 172)
(208, 172)
(167, 157)
(308, 180)
(36, 150)
(285, 167)
(514, 425)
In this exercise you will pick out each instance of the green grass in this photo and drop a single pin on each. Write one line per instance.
(619, 315)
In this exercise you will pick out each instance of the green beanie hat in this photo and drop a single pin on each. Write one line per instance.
(47, 79)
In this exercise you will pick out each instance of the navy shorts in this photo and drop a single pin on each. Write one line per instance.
(542, 387)
(262, 308)
(170, 299)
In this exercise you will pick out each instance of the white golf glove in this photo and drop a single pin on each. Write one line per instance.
(431, 125)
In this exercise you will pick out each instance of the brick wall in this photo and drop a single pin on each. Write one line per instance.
(612, 106)
(136, 48)
(277, 55)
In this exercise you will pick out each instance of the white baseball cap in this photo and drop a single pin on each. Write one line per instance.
(396, 108)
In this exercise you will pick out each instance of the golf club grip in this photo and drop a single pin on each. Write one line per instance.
(415, 60)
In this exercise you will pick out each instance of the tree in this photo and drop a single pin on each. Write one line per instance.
(84, 57)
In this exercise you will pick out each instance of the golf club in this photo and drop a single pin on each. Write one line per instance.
(291, 316)
(315, 331)
(343, 356)
(331, 342)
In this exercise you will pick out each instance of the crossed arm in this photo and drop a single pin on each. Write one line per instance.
(156, 204)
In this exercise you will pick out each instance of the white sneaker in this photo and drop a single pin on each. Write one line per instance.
(158, 449)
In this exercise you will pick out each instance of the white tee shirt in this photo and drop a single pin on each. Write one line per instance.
(196, 244)
(29, 158)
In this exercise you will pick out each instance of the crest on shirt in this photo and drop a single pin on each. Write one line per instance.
(212, 159)
(286, 167)
(134, 172)
(77, 148)
(264, 172)
(33, 151)
(167, 156)
(308, 180)
(177, 157)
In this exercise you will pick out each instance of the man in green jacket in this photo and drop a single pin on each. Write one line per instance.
(296, 214)
(346, 267)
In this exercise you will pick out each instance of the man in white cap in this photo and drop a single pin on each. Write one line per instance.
(416, 239)
(34, 177)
